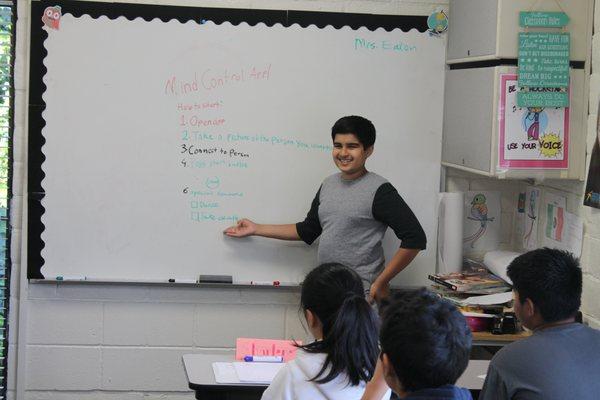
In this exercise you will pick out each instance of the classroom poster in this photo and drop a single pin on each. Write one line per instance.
(571, 238)
(554, 207)
(530, 137)
(520, 223)
(482, 221)
(592, 187)
(531, 220)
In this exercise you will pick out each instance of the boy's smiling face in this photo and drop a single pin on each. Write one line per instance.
(349, 155)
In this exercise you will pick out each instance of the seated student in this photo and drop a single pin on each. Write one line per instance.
(341, 360)
(561, 360)
(425, 346)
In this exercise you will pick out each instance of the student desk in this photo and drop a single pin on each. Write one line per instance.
(486, 338)
(201, 379)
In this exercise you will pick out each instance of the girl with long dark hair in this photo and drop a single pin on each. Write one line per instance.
(342, 358)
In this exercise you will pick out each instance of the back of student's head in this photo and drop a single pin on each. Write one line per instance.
(335, 294)
(425, 338)
(360, 126)
(551, 279)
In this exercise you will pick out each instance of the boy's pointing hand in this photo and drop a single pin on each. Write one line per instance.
(244, 228)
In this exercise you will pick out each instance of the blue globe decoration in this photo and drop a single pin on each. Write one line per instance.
(437, 22)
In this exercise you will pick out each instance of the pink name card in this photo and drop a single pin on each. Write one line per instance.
(265, 347)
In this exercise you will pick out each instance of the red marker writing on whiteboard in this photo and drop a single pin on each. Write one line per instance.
(265, 283)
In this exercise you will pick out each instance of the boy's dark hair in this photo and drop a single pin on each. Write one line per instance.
(360, 126)
(426, 339)
(551, 278)
(335, 294)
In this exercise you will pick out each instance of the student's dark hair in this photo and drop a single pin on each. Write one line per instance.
(360, 126)
(426, 339)
(551, 278)
(335, 294)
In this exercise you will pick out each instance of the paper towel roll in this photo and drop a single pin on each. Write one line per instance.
(497, 262)
(450, 232)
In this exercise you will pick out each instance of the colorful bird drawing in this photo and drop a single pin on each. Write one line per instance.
(479, 212)
(51, 17)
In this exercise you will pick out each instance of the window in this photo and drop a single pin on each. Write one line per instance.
(6, 120)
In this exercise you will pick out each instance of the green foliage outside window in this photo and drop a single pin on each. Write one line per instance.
(6, 32)
(5, 81)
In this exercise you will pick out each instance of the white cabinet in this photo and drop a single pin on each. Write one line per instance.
(489, 29)
(471, 124)
(483, 45)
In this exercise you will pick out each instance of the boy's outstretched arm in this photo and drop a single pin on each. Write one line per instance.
(245, 227)
(307, 230)
(376, 388)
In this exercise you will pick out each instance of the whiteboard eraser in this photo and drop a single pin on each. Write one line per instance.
(215, 279)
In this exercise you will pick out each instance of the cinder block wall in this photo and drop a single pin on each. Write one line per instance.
(81, 341)
(94, 340)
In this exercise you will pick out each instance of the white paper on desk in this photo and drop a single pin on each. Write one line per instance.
(256, 372)
(497, 262)
(477, 314)
(572, 235)
(490, 299)
(224, 372)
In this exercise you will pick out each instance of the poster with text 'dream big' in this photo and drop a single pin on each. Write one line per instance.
(159, 135)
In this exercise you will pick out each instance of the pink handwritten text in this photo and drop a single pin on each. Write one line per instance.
(265, 347)
(216, 78)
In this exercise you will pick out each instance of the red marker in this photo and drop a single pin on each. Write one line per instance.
(265, 283)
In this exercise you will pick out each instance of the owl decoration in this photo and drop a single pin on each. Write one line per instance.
(51, 17)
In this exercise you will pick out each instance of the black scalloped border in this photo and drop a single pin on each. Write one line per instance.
(36, 158)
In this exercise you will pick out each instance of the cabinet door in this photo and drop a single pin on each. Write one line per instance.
(468, 113)
(489, 29)
(472, 31)
(471, 127)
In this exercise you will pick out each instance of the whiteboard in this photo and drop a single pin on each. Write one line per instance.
(158, 135)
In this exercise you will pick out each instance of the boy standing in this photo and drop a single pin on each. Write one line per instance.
(425, 347)
(351, 212)
(561, 360)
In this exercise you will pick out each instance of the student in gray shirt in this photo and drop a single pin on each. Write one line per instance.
(351, 212)
(561, 360)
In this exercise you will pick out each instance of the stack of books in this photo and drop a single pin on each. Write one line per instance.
(479, 281)
(478, 294)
